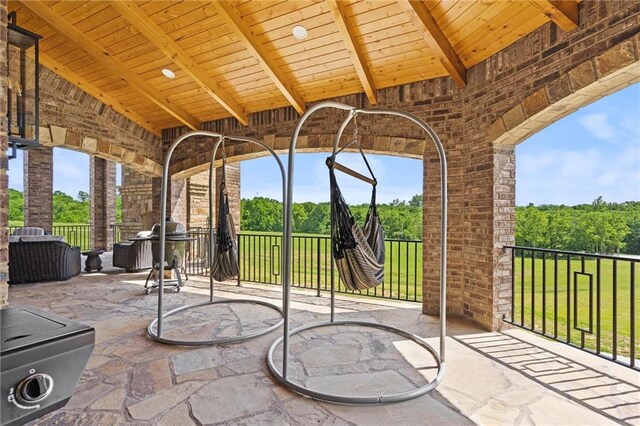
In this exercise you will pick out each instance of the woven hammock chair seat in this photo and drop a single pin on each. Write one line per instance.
(225, 256)
(359, 252)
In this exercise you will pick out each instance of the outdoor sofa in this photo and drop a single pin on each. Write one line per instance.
(36, 257)
(133, 255)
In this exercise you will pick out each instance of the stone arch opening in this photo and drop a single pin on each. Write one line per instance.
(61, 137)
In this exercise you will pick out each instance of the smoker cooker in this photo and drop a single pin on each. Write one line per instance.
(42, 357)
(176, 238)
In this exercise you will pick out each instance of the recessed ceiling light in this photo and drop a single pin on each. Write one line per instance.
(168, 73)
(299, 32)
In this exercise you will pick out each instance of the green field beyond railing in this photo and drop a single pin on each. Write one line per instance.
(312, 263)
(75, 234)
(586, 300)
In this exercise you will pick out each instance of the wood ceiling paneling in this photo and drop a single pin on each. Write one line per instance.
(240, 57)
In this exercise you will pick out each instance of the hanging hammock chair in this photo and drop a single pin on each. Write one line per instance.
(225, 257)
(359, 252)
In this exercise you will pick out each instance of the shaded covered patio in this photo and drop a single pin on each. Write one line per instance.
(104, 94)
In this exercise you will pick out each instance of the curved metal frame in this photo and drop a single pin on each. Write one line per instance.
(157, 323)
(439, 357)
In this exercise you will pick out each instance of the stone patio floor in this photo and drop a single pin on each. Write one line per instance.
(510, 377)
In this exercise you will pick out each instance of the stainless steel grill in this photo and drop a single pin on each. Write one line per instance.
(42, 357)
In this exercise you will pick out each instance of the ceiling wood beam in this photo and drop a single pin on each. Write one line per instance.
(564, 14)
(95, 51)
(338, 9)
(435, 38)
(257, 50)
(94, 91)
(146, 26)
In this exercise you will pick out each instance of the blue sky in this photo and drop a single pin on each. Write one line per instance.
(594, 151)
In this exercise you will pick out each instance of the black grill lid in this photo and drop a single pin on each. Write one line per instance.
(22, 327)
(173, 230)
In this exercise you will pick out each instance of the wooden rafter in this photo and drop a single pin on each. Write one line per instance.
(95, 51)
(145, 25)
(433, 35)
(94, 91)
(264, 58)
(337, 8)
(564, 13)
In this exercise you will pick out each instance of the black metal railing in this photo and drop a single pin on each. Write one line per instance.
(584, 300)
(312, 264)
(74, 235)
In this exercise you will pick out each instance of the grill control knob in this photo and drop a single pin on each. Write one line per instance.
(34, 388)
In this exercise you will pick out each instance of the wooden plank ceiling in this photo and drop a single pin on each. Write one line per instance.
(237, 57)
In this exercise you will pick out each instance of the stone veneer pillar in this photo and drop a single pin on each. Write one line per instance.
(38, 188)
(4, 141)
(103, 202)
(136, 192)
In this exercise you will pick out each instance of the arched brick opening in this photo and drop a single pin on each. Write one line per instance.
(314, 143)
(587, 83)
(616, 68)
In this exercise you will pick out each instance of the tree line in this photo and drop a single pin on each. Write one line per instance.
(599, 227)
(66, 209)
(400, 219)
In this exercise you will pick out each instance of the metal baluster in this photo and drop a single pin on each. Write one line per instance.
(555, 295)
(544, 293)
(632, 341)
(522, 288)
(615, 309)
(318, 263)
(533, 289)
(598, 300)
(568, 299)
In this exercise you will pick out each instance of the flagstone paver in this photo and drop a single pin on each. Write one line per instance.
(131, 379)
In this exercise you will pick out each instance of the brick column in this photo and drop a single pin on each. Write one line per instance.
(4, 195)
(103, 202)
(38, 188)
(233, 189)
(137, 195)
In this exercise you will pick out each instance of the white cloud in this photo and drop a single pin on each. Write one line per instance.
(532, 162)
(598, 124)
(576, 164)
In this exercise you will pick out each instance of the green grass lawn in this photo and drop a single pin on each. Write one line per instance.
(311, 256)
(541, 295)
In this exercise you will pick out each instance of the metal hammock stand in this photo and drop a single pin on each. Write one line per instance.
(155, 328)
(281, 374)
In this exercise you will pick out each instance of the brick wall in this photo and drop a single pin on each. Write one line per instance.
(77, 115)
(4, 142)
(102, 177)
(38, 188)
(198, 200)
(472, 123)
